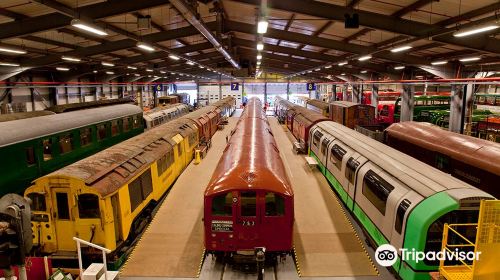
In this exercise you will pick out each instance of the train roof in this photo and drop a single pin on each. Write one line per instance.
(32, 128)
(310, 116)
(64, 108)
(224, 102)
(110, 169)
(251, 161)
(163, 110)
(24, 115)
(318, 103)
(420, 177)
(346, 104)
(473, 151)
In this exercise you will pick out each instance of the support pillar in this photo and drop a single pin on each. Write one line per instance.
(288, 90)
(407, 103)
(374, 97)
(220, 87)
(334, 93)
(66, 93)
(198, 93)
(32, 93)
(457, 108)
(344, 92)
(355, 94)
(265, 91)
(80, 92)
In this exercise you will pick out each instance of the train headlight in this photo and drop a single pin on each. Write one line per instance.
(213, 234)
(230, 236)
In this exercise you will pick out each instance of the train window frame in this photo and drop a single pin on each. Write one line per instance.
(136, 123)
(227, 210)
(30, 155)
(400, 215)
(101, 128)
(245, 207)
(337, 154)
(65, 138)
(324, 145)
(126, 124)
(317, 137)
(350, 171)
(47, 146)
(279, 205)
(89, 136)
(377, 192)
(88, 206)
(63, 206)
(38, 201)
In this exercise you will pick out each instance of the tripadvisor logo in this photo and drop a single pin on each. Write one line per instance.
(387, 255)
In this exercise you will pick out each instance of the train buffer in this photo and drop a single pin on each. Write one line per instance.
(311, 162)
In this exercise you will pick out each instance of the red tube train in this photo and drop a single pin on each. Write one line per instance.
(249, 199)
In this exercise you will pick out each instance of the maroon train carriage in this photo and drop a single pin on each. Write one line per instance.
(303, 120)
(249, 200)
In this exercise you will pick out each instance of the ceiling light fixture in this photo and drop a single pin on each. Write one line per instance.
(145, 47)
(9, 50)
(149, 70)
(475, 30)
(62, 69)
(467, 59)
(9, 64)
(439, 62)
(163, 72)
(328, 67)
(69, 58)
(107, 64)
(400, 49)
(110, 73)
(262, 26)
(260, 46)
(132, 67)
(88, 27)
(201, 66)
(366, 57)
(343, 74)
(95, 71)
(137, 75)
(174, 57)
(399, 67)
(364, 72)
(259, 57)
(190, 62)
(342, 63)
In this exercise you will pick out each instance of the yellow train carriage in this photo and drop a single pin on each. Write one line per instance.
(106, 198)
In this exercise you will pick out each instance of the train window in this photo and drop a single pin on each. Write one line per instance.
(179, 149)
(47, 149)
(146, 183)
(248, 202)
(62, 206)
(376, 190)
(115, 130)
(88, 206)
(101, 132)
(137, 122)
(126, 124)
(66, 143)
(222, 205)
(435, 231)
(135, 194)
(337, 153)
(400, 215)
(442, 162)
(385, 111)
(85, 136)
(37, 201)
(161, 165)
(324, 145)
(30, 155)
(350, 171)
(316, 138)
(275, 205)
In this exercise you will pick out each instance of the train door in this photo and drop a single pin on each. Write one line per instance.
(247, 222)
(115, 204)
(63, 220)
(273, 218)
(353, 164)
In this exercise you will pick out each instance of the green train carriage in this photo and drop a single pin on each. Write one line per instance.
(396, 198)
(33, 147)
(422, 105)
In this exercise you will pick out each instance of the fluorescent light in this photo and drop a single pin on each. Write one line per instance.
(69, 58)
(440, 62)
(145, 47)
(400, 49)
(88, 27)
(163, 72)
(62, 69)
(399, 67)
(343, 74)
(328, 67)
(366, 57)
(201, 67)
(262, 26)
(260, 46)
(467, 32)
(364, 72)
(174, 57)
(107, 64)
(9, 64)
(9, 50)
(132, 67)
(259, 57)
(149, 70)
(317, 69)
(467, 59)
(309, 71)
(137, 75)
(110, 73)
(342, 63)
(190, 62)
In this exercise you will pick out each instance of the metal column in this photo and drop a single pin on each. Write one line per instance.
(374, 97)
(198, 93)
(265, 91)
(32, 92)
(407, 103)
(355, 94)
(344, 92)
(220, 87)
(288, 90)
(457, 109)
(334, 93)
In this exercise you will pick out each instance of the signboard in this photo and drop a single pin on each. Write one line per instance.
(235, 86)
(222, 226)
(157, 88)
(311, 86)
